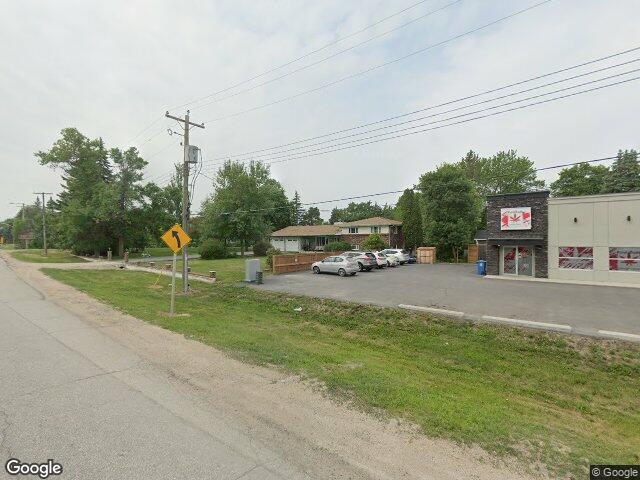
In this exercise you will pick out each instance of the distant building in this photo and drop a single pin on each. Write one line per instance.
(298, 238)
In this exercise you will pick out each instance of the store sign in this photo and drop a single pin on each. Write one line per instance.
(518, 218)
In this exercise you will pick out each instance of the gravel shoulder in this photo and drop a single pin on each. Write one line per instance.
(303, 429)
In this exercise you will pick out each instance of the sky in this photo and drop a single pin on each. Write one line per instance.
(112, 69)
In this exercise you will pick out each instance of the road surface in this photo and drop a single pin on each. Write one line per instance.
(111, 397)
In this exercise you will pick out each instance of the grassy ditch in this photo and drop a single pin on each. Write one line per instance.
(54, 256)
(552, 401)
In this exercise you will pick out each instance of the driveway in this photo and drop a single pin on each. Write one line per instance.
(586, 309)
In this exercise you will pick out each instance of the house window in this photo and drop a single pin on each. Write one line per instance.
(321, 241)
(575, 258)
(626, 259)
(355, 247)
(375, 229)
(353, 229)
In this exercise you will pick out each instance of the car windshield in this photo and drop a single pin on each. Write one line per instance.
(382, 255)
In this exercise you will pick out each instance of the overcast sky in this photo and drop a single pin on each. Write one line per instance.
(112, 68)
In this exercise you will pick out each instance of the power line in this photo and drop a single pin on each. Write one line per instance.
(376, 67)
(376, 138)
(449, 102)
(306, 55)
(369, 195)
(322, 60)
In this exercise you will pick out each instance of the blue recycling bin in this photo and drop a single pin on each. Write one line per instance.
(481, 267)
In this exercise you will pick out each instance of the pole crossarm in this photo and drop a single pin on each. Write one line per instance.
(193, 124)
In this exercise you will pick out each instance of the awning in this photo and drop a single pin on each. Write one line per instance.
(516, 241)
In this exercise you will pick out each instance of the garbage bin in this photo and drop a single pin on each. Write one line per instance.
(481, 267)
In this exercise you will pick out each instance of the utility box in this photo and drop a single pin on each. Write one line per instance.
(252, 267)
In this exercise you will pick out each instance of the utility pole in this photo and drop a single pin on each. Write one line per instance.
(21, 204)
(44, 222)
(185, 193)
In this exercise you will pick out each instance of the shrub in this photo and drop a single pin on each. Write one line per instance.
(260, 248)
(374, 242)
(270, 253)
(213, 248)
(337, 247)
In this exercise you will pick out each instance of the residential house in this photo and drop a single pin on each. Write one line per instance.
(297, 238)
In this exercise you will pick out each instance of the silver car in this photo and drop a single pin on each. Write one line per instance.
(366, 260)
(402, 255)
(338, 264)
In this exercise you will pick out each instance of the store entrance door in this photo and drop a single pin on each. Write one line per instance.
(518, 260)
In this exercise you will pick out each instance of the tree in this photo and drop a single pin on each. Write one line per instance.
(296, 209)
(312, 217)
(581, 179)
(243, 194)
(624, 175)
(451, 208)
(358, 211)
(374, 242)
(409, 212)
(504, 172)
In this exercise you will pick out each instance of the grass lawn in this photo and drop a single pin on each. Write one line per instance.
(37, 256)
(550, 400)
(151, 251)
(228, 270)
(7, 246)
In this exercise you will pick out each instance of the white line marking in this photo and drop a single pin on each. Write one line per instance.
(527, 323)
(441, 311)
(625, 336)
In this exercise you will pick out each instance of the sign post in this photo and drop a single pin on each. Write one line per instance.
(176, 239)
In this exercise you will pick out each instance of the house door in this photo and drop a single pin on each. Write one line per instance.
(517, 260)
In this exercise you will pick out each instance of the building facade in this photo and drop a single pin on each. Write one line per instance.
(517, 231)
(299, 238)
(592, 238)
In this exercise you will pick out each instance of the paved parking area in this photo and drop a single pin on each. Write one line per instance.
(585, 308)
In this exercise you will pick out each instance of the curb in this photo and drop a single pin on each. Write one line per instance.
(530, 324)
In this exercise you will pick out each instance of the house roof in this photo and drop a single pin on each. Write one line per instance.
(371, 222)
(307, 231)
(481, 235)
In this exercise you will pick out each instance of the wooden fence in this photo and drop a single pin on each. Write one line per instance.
(426, 254)
(298, 262)
(472, 255)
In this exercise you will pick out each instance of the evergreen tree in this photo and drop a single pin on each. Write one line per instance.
(296, 209)
(624, 175)
(411, 217)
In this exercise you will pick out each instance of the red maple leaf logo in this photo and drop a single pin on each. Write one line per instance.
(505, 220)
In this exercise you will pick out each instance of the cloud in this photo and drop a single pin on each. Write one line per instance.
(111, 68)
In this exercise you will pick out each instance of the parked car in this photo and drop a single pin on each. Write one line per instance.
(391, 260)
(338, 264)
(366, 260)
(402, 255)
(381, 259)
(412, 259)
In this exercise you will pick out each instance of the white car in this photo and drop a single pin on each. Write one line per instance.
(390, 260)
(402, 255)
(338, 264)
(366, 260)
(381, 259)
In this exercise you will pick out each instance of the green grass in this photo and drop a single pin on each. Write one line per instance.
(7, 246)
(228, 270)
(54, 256)
(549, 400)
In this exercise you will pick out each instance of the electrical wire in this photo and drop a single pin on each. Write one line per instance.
(376, 138)
(306, 55)
(322, 60)
(446, 103)
(376, 67)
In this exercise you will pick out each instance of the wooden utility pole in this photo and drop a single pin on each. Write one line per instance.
(44, 222)
(185, 193)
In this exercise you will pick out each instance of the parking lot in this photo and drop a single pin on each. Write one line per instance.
(585, 308)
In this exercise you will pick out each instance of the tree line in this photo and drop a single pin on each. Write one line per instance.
(105, 203)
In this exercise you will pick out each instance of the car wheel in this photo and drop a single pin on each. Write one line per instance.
(360, 267)
(342, 272)
(316, 270)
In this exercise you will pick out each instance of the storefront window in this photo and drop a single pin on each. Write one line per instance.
(624, 259)
(577, 258)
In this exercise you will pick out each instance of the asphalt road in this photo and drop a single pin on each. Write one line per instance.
(71, 394)
(456, 287)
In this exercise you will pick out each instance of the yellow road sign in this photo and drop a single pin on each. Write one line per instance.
(176, 238)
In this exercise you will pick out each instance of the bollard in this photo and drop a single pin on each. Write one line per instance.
(109, 255)
(126, 256)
